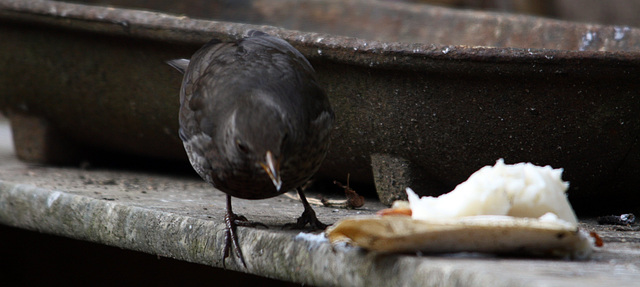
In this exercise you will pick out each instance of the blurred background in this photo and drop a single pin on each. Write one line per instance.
(610, 12)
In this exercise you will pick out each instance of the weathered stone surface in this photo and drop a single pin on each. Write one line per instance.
(39, 141)
(393, 174)
(181, 217)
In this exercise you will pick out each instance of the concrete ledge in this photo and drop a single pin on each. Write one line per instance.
(278, 254)
(275, 254)
(181, 217)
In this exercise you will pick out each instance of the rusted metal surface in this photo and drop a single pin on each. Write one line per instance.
(98, 75)
(393, 21)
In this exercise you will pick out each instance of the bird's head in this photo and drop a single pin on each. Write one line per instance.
(258, 140)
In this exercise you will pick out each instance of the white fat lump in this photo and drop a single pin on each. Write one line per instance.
(518, 190)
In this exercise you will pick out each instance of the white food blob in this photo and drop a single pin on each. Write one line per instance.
(519, 190)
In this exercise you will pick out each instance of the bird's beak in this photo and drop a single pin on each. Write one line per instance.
(272, 167)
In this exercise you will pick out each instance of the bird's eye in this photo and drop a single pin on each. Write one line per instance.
(242, 147)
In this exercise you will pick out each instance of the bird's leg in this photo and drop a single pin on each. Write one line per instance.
(230, 236)
(308, 216)
(231, 221)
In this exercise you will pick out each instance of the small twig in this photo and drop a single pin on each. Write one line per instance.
(294, 195)
(320, 202)
(353, 199)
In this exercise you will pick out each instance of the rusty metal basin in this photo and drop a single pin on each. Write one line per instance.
(441, 90)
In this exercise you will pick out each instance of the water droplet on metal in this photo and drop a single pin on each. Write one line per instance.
(620, 32)
(587, 40)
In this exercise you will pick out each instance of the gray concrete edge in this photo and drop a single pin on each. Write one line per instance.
(274, 253)
(271, 254)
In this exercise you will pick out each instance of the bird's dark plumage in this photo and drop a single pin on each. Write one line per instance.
(253, 119)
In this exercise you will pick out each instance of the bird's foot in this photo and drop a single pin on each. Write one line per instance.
(232, 221)
(308, 216)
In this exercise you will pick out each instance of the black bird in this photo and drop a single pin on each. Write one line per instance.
(254, 121)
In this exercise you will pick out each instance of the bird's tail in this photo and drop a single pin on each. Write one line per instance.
(256, 33)
(180, 64)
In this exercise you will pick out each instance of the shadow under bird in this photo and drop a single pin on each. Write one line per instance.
(254, 122)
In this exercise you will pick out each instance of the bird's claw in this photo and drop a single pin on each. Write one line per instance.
(308, 216)
(232, 221)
